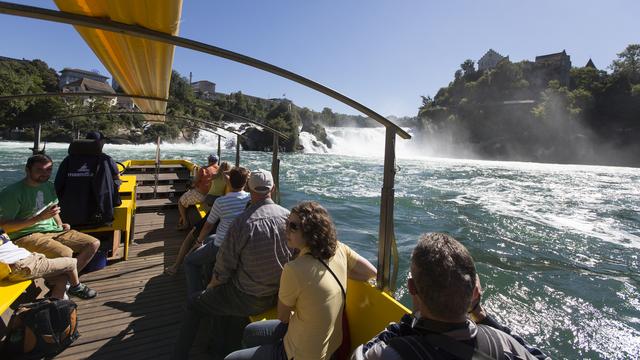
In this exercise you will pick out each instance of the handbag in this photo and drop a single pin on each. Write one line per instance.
(343, 352)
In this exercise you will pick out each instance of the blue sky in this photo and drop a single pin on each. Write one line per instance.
(384, 54)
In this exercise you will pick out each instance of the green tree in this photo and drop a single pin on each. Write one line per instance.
(588, 78)
(628, 63)
(468, 68)
(328, 117)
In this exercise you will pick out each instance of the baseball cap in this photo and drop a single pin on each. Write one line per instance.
(213, 158)
(260, 181)
(95, 135)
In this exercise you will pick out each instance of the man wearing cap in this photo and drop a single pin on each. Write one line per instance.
(99, 137)
(200, 188)
(247, 271)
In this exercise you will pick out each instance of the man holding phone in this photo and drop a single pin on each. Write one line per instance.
(30, 214)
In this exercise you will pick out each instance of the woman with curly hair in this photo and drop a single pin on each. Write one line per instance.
(311, 298)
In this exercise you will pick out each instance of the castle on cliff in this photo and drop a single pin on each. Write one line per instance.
(545, 68)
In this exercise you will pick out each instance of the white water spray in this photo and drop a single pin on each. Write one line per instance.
(366, 142)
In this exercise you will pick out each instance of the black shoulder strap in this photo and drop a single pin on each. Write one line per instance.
(435, 346)
(457, 348)
(344, 293)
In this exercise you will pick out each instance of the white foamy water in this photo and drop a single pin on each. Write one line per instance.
(311, 145)
(210, 140)
(365, 142)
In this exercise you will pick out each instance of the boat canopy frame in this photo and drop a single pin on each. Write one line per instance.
(121, 113)
(387, 256)
(205, 122)
(275, 161)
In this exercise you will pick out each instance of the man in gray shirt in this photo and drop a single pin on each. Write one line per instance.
(247, 272)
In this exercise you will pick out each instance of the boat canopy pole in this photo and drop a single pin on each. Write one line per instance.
(145, 113)
(240, 117)
(275, 169)
(206, 130)
(157, 173)
(77, 94)
(219, 148)
(387, 263)
(238, 135)
(237, 150)
(93, 94)
(106, 113)
(37, 132)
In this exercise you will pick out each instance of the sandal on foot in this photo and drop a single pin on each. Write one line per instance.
(82, 291)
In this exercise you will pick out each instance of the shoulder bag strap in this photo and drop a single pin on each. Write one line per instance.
(344, 293)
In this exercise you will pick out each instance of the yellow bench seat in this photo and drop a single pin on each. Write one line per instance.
(368, 309)
(10, 291)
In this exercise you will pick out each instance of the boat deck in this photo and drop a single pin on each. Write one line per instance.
(136, 314)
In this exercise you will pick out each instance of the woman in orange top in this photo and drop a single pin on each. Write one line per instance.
(200, 188)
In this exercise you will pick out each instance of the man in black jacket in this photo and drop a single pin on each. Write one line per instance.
(87, 183)
(445, 291)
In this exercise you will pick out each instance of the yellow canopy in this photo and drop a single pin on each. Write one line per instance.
(141, 67)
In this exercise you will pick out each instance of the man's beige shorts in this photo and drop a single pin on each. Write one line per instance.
(37, 266)
(56, 244)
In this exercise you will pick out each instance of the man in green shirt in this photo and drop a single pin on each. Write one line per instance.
(30, 214)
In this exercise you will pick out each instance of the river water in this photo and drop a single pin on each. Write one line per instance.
(556, 245)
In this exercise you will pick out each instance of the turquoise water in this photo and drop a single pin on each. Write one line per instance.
(556, 245)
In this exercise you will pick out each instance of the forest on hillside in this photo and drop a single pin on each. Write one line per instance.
(518, 111)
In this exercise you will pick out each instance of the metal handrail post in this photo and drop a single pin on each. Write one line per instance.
(275, 169)
(37, 132)
(386, 233)
(157, 172)
(219, 139)
(237, 150)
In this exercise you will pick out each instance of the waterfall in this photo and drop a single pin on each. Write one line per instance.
(211, 139)
(368, 142)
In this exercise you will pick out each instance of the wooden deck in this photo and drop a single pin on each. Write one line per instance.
(136, 314)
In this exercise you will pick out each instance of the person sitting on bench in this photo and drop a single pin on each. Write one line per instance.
(30, 214)
(87, 184)
(25, 265)
(201, 185)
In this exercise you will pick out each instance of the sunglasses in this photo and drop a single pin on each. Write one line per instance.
(293, 226)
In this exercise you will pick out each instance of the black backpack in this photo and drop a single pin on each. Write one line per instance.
(41, 329)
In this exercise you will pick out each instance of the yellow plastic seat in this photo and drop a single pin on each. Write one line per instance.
(9, 291)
